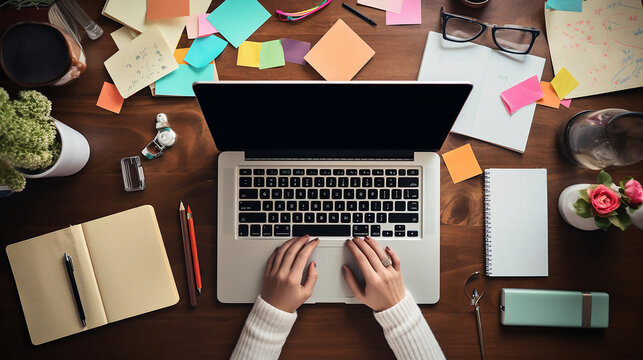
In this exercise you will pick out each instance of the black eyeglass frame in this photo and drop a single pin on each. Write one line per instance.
(444, 17)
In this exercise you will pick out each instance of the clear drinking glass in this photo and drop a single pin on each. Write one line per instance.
(603, 138)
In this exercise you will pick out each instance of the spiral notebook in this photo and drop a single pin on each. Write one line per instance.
(516, 222)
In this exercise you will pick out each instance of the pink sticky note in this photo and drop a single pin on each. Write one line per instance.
(192, 26)
(410, 14)
(522, 94)
(566, 102)
(205, 27)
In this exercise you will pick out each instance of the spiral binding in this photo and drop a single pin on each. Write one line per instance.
(487, 224)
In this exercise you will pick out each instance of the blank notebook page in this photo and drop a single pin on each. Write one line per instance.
(516, 222)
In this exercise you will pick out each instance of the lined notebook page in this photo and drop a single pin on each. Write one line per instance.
(44, 287)
(130, 263)
(516, 222)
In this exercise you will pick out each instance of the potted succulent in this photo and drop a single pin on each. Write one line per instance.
(33, 144)
(600, 205)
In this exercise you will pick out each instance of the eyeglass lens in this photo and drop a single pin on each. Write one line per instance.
(516, 40)
(461, 30)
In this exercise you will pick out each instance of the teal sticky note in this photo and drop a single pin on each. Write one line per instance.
(236, 20)
(204, 50)
(271, 55)
(565, 5)
(179, 82)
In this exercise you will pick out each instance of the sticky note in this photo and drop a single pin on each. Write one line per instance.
(179, 55)
(522, 94)
(204, 50)
(179, 82)
(388, 5)
(110, 99)
(410, 14)
(161, 9)
(236, 20)
(295, 50)
(271, 55)
(565, 5)
(564, 83)
(340, 54)
(550, 98)
(205, 28)
(566, 102)
(248, 54)
(461, 163)
(192, 26)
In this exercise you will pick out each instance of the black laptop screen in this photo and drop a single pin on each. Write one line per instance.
(306, 116)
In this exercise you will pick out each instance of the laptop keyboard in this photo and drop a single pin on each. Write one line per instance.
(285, 202)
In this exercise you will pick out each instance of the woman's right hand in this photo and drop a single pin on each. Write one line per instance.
(384, 286)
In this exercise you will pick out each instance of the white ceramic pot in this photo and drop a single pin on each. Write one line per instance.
(566, 202)
(73, 156)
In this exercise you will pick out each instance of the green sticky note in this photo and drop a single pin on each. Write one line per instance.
(271, 55)
(248, 54)
(179, 82)
(236, 20)
(563, 83)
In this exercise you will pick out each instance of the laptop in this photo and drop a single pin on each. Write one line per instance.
(333, 160)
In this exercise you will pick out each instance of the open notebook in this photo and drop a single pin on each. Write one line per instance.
(121, 270)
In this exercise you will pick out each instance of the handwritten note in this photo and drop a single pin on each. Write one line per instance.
(522, 94)
(141, 62)
(602, 46)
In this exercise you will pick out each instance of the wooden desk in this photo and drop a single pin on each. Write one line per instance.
(600, 261)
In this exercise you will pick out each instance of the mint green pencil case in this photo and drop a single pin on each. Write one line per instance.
(558, 308)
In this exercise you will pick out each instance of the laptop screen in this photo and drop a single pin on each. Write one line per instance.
(335, 116)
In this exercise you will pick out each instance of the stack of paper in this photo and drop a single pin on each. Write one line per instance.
(398, 12)
(484, 115)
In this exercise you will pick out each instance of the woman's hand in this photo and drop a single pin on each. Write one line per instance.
(384, 286)
(282, 279)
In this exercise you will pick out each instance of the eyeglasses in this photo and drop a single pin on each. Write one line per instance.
(510, 38)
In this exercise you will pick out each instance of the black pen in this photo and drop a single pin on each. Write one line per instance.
(70, 271)
(359, 14)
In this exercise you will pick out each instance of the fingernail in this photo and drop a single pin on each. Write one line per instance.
(343, 268)
(388, 248)
(315, 264)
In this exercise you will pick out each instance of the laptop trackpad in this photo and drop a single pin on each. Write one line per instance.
(331, 286)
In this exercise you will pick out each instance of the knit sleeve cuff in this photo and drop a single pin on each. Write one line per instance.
(272, 319)
(399, 313)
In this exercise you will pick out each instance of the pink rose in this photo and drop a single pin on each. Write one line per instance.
(634, 191)
(603, 200)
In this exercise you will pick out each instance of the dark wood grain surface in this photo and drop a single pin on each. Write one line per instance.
(598, 261)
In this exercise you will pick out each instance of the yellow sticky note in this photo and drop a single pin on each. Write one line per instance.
(461, 163)
(248, 54)
(340, 54)
(550, 99)
(563, 83)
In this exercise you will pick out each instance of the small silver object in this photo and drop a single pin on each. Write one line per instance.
(133, 177)
(477, 278)
(386, 262)
(165, 138)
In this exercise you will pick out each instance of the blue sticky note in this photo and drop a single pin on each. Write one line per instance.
(179, 82)
(565, 5)
(236, 20)
(204, 50)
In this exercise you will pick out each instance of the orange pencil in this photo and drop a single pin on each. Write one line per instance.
(195, 256)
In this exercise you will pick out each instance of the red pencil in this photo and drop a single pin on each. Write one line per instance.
(195, 256)
(188, 254)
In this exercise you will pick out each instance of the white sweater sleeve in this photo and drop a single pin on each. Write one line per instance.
(407, 332)
(264, 333)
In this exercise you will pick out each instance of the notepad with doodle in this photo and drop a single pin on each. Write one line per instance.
(121, 270)
(515, 205)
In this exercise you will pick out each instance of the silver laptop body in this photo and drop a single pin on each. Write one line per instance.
(333, 160)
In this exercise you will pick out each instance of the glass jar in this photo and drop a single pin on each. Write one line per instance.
(603, 138)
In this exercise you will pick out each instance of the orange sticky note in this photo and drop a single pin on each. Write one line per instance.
(551, 98)
(461, 163)
(179, 55)
(161, 9)
(340, 54)
(110, 99)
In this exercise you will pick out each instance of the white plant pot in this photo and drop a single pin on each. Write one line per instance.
(73, 155)
(566, 202)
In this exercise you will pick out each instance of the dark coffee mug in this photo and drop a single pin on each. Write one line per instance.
(39, 54)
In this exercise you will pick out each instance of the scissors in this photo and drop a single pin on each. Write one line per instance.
(476, 279)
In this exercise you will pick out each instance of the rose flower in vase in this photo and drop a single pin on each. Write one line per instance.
(608, 203)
